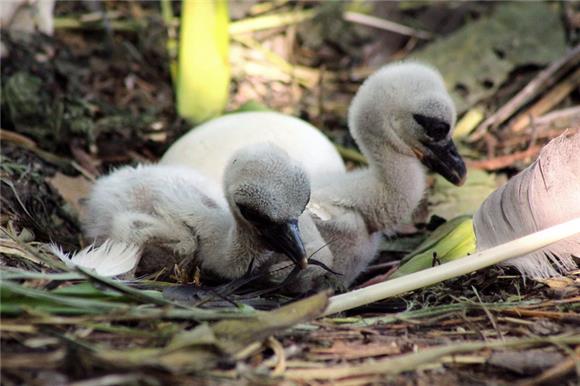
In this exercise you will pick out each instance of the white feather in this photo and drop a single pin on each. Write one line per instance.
(544, 194)
(109, 259)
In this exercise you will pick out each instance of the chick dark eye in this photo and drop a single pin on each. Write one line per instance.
(254, 216)
(434, 128)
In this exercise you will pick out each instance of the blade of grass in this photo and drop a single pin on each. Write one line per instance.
(139, 295)
(429, 312)
(88, 305)
(23, 275)
(351, 154)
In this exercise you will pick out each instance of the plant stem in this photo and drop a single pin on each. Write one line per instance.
(479, 260)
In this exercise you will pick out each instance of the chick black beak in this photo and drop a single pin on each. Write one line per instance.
(442, 157)
(285, 238)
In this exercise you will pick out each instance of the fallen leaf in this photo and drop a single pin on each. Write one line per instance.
(71, 189)
(558, 282)
(448, 202)
(479, 57)
(234, 335)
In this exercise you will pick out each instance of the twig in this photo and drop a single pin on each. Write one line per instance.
(278, 349)
(564, 316)
(544, 79)
(115, 379)
(308, 77)
(452, 269)
(488, 314)
(504, 161)
(547, 102)
(568, 118)
(412, 361)
(28, 144)
(563, 118)
(387, 25)
(115, 25)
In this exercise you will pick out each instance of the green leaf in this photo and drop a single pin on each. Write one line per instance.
(16, 298)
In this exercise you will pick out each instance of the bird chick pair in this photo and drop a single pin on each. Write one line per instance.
(401, 118)
(176, 214)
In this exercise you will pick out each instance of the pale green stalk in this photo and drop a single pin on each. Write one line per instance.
(479, 260)
(203, 73)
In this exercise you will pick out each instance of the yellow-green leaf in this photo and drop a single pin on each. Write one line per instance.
(450, 241)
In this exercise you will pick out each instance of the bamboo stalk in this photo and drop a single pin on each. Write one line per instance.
(479, 260)
(203, 70)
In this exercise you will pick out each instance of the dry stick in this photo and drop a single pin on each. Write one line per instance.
(411, 361)
(545, 130)
(277, 20)
(569, 117)
(387, 25)
(27, 143)
(547, 102)
(430, 276)
(544, 79)
(565, 316)
(504, 161)
(307, 77)
(542, 131)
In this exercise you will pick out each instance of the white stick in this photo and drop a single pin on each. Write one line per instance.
(387, 25)
(479, 260)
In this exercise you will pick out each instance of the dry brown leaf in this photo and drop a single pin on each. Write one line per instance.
(71, 189)
(558, 282)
